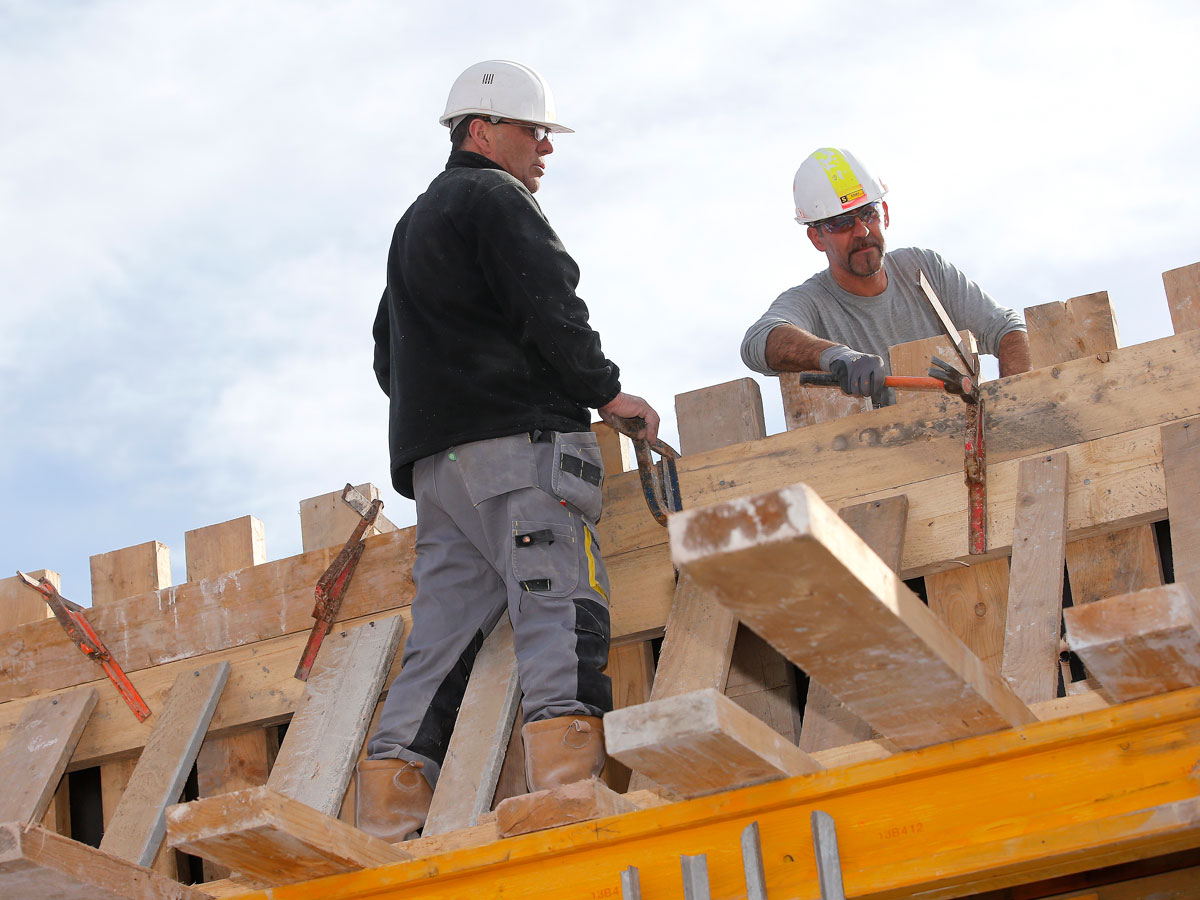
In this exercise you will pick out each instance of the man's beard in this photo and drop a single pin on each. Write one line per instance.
(863, 264)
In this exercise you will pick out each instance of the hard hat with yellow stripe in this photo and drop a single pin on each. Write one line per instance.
(832, 181)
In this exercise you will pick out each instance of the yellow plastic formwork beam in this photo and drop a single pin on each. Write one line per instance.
(1004, 809)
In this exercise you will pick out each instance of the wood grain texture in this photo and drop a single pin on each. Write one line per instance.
(273, 839)
(801, 578)
(805, 405)
(1183, 297)
(19, 604)
(40, 864)
(720, 415)
(700, 743)
(581, 801)
(1033, 619)
(328, 521)
(130, 571)
(631, 668)
(1059, 332)
(35, 756)
(973, 602)
(471, 769)
(1139, 644)
(139, 822)
(827, 722)
(318, 753)
(215, 550)
(1181, 469)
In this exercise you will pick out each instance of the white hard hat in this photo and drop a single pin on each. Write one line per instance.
(831, 182)
(498, 87)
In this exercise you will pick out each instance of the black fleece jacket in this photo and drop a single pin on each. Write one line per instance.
(480, 333)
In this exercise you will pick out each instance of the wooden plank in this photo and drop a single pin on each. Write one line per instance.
(701, 742)
(35, 756)
(1015, 806)
(1181, 470)
(827, 721)
(469, 773)
(1034, 616)
(328, 521)
(915, 358)
(567, 804)
(973, 602)
(805, 405)
(273, 839)
(799, 576)
(215, 550)
(139, 823)
(35, 863)
(1041, 410)
(1109, 565)
(616, 450)
(317, 755)
(229, 762)
(720, 415)
(631, 668)
(1059, 332)
(1183, 297)
(130, 571)
(19, 604)
(1140, 644)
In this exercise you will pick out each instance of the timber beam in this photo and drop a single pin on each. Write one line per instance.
(799, 576)
(952, 820)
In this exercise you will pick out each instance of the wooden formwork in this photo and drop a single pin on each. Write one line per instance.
(1085, 454)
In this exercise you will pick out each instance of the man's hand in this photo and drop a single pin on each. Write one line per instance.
(859, 374)
(627, 406)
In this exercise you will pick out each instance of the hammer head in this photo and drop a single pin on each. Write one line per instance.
(955, 381)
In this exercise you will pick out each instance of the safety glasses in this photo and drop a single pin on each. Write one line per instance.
(540, 132)
(868, 214)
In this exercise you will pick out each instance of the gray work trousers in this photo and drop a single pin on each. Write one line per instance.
(507, 523)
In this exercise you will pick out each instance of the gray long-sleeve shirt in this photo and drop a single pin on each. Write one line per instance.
(900, 314)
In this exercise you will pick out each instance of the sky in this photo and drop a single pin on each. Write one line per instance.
(196, 203)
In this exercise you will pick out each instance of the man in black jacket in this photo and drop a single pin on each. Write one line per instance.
(485, 353)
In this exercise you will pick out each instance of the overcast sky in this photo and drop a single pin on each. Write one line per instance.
(196, 202)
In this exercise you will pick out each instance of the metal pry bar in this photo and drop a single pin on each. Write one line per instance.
(947, 322)
(70, 616)
(660, 483)
(829, 863)
(333, 584)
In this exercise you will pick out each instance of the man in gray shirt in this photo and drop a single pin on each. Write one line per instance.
(843, 319)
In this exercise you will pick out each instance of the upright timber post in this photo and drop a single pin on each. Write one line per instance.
(243, 760)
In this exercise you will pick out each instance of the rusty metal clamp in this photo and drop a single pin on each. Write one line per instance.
(660, 481)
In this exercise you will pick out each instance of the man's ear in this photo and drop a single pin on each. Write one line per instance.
(814, 235)
(480, 133)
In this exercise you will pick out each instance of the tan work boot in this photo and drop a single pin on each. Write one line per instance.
(391, 798)
(563, 750)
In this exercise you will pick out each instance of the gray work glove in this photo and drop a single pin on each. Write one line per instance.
(858, 374)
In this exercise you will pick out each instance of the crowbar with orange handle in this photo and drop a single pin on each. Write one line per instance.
(333, 584)
(70, 616)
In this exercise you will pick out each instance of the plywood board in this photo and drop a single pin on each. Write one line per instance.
(19, 604)
(1034, 614)
(973, 602)
(700, 743)
(328, 521)
(1183, 297)
(129, 571)
(1059, 332)
(1181, 469)
(1139, 644)
(800, 577)
(215, 550)
(805, 405)
(471, 769)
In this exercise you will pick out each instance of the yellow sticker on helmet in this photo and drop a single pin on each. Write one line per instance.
(841, 177)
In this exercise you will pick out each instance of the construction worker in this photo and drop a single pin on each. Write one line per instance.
(485, 353)
(844, 318)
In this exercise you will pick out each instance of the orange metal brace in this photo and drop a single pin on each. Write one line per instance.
(70, 616)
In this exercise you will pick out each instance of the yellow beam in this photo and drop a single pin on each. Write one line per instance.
(1105, 787)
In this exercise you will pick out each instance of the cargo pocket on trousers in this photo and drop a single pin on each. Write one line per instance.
(545, 559)
(494, 467)
(578, 472)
